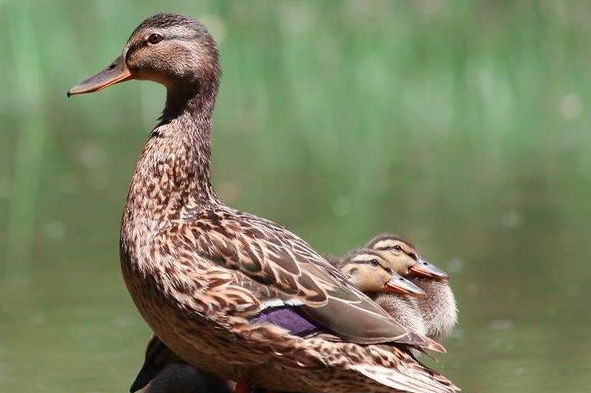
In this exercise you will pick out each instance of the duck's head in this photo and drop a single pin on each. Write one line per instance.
(170, 49)
(370, 273)
(158, 357)
(404, 257)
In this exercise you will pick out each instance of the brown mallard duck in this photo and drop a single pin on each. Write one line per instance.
(210, 280)
(438, 307)
(164, 372)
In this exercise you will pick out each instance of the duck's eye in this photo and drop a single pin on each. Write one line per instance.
(374, 262)
(155, 38)
(397, 248)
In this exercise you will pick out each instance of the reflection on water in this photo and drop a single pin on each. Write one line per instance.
(464, 127)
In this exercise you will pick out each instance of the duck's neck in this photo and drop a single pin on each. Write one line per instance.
(172, 178)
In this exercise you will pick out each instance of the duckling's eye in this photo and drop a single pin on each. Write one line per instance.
(397, 248)
(374, 262)
(155, 38)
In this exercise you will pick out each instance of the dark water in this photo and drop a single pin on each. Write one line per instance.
(464, 126)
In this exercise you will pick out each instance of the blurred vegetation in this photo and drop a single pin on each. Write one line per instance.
(462, 125)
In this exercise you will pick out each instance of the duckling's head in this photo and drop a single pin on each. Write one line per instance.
(400, 254)
(370, 273)
(158, 357)
(174, 50)
(404, 257)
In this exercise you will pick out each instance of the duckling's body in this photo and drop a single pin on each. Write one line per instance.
(201, 273)
(437, 308)
(403, 309)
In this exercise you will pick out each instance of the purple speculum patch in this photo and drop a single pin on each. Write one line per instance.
(288, 319)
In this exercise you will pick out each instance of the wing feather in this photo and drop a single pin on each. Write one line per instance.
(270, 255)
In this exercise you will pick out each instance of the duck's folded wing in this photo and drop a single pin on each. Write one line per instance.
(273, 256)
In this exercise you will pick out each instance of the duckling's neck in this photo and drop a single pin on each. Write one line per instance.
(172, 178)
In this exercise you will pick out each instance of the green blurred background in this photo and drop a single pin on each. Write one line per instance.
(462, 125)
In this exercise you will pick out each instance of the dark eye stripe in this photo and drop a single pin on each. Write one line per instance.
(364, 262)
(180, 37)
(142, 43)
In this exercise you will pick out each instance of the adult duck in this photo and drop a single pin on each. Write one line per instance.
(368, 270)
(202, 273)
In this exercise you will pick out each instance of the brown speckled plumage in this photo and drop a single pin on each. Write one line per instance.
(367, 269)
(197, 270)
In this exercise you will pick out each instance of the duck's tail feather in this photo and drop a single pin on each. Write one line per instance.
(421, 342)
(417, 379)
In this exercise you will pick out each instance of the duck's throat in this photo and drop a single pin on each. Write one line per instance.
(172, 177)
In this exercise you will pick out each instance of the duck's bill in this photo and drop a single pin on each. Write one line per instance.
(403, 286)
(425, 269)
(116, 72)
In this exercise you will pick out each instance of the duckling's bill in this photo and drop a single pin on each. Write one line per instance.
(425, 269)
(403, 286)
(116, 72)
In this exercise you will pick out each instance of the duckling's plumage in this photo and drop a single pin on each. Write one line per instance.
(437, 308)
(198, 270)
(371, 273)
(402, 308)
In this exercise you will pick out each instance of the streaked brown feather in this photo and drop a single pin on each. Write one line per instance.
(295, 271)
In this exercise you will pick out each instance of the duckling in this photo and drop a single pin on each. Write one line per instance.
(374, 275)
(438, 307)
(165, 372)
(201, 272)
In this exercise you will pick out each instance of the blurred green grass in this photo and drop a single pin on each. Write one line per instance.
(463, 125)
